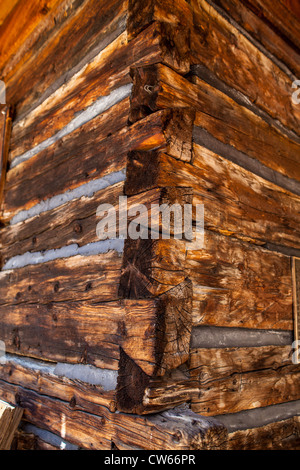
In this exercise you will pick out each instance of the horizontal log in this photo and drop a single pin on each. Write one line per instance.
(72, 222)
(264, 31)
(76, 222)
(186, 383)
(64, 104)
(6, 9)
(250, 200)
(85, 27)
(108, 71)
(171, 430)
(25, 18)
(255, 208)
(237, 66)
(282, 435)
(240, 285)
(94, 278)
(80, 396)
(39, 330)
(247, 132)
(81, 144)
(283, 16)
(50, 169)
(97, 330)
(236, 379)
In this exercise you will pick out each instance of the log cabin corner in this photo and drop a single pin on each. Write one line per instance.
(150, 342)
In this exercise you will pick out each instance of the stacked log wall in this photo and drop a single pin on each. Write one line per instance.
(164, 102)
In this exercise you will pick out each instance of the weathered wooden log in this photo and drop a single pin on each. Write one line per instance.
(10, 418)
(281, 435)
(84, 27)
(175, 18)
(42, 378)
(72, 222)
(49, 170)
(240, 285)
(274, 13)
(157, 86)
(237, 66)
(111, 66)
(76, 222)
(250, 17)
(236, 379)
(94, 278)
(178, 429)
(94, 330)
(167, 332)
(6, 10)
(250, 200)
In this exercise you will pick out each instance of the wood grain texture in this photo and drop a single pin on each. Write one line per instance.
(237, 202)
(39, 330)
(72, 222)
(175, 17)
(235, 60)
(240, 285)
(6, 9)
(20, 24)
(217, 113)
(169, 430)
(75, 32)
(80, 396)
(264, 212)
(107, 71)
(283, 15)
(264, 31)
(49, 172)
(93, 278)
(236, 379)
(153, 344)
(282, 435)
(95, 331)
(142, 13)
